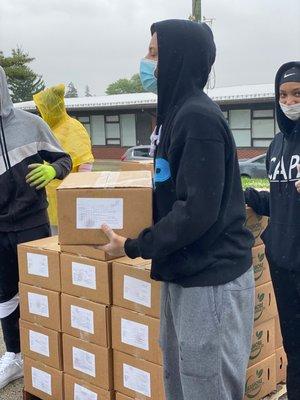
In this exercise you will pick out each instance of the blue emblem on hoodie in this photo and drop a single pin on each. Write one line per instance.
(162, 170)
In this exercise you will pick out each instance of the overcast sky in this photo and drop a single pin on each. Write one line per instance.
(95, 42)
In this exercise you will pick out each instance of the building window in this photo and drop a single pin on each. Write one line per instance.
(112, 130)
(240, 124)
(263, 127)
(128, 130)
(98, 130)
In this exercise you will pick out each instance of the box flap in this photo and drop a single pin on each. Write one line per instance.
(49, 243)
(108, 179)
(136, 263)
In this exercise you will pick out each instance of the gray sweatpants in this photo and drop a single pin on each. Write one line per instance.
(205, 338)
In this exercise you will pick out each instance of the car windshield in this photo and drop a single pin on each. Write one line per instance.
(142, 152)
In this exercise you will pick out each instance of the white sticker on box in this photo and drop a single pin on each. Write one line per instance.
(38, 304)
(137, 380)
(37, 264)
(82, 319)
(41, 380)
(92, 213)
(39, 343)
(137, 291)
(84, 275)
(84, 361)
(82, 393)
(135, 334)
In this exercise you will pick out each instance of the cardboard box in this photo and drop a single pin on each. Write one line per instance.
(136, 334)
(91, 251)
(263, 342)
(42, 381)
(39, 263)
(256, 224)
(86, 320)
(86, 278)
(122, 200)
(260, 265)
(133, 288)
(146, 165)
(77, 389)
(120, 396)
(40, 306)
(278, 335)
(88, 361)
(41, 344)
(136, 377)
(281, 365)
(261, 379)
(265, 304)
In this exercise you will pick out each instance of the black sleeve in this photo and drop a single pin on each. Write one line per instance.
(50, 150)
(258, 200)
(203, 167)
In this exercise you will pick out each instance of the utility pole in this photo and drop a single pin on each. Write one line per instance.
(196, 11)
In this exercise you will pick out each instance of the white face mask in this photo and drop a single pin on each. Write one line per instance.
(292, 112)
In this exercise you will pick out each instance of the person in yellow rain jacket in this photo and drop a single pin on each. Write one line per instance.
(71, 135)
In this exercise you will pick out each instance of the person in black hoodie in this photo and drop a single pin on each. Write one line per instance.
(282, 205)
(198, 244)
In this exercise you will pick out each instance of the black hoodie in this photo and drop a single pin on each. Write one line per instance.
(282, 203)
(199, 237)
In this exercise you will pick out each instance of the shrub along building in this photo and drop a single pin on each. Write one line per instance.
(121, 121)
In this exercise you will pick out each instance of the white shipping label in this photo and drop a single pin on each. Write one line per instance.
(135, 334)
(37, 264)
(39, 343)
(82, 393)
(82, 319)
(92, 213)
(84, 275)
(137, 291)
(41, 380)
(84, 361)
(38, 304)
(137, 380)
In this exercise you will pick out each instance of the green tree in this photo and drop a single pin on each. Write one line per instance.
(71, 91)
(132, 85)
(22, 81)
(87, 92)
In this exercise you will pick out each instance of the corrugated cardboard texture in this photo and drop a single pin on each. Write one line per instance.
(53, 300)
(256, 224)
(56, 380)
(141, 299)
(103, 362)
(100, 292)
(263, 342)
(155, 371)
(260, 265)
(70, 382)
(29, 349)
(137, 166)
(133, 341)
(87, 251)
(99, 323)
(133, 187)
(48, 248)
(261, 379)
(278, 335)
(281, 364)
(265, 304)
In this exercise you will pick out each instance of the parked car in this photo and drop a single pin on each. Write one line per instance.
(254, 167)
(137, 153)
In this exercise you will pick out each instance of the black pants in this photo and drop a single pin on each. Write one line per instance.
(9, 278)
(287, 291)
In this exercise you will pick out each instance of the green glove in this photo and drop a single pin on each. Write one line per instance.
(40, 175)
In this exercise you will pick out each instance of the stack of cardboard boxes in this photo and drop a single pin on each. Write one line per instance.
(264, 370)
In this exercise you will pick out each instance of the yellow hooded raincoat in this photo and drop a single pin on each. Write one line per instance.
(69, 132)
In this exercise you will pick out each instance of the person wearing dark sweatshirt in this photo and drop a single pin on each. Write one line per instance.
(26, 142)
(199, 246)
(282, 205)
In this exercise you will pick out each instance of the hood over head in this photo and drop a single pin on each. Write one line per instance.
(186, 53)
(51, 104)
(285, 124)
(6, 104)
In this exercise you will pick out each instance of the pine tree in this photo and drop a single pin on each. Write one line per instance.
(71, 91)
(22, 81)
(87, 92)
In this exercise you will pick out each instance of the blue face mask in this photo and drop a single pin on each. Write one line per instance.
(147, 75)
